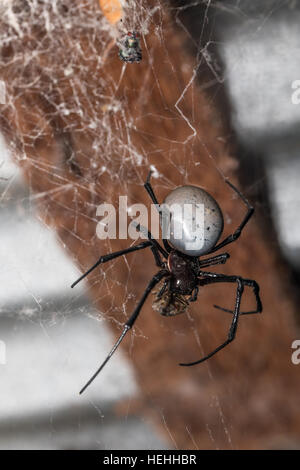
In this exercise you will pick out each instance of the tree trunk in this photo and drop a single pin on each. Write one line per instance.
(85, 127)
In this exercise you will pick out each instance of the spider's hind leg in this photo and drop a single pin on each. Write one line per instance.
(255, 287)
(236, 234)
(219, 259)
(234, 323)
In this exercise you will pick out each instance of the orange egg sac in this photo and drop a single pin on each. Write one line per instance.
(112, 10)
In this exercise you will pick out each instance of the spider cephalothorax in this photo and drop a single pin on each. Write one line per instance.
(175, 290)
(183, 279)
(180, 265)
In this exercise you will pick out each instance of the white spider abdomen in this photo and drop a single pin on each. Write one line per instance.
(192, 220)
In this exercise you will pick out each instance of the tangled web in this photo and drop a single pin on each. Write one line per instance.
(86, 127)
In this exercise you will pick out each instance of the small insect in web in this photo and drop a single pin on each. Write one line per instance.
(181, 269)
(130, 49)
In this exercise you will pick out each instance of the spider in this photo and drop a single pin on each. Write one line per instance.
(130, 49)
(181, 270)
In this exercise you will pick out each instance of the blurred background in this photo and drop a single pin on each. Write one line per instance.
(253, 48)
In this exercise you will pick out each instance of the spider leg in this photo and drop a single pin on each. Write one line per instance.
(129, 324)
(234, 323)
(219, 259)
(110, 256)
(150, 191)
(234, 236)
(148, 234)
(157, 257)
(255, 287)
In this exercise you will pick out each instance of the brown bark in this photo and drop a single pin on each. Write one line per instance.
(152, 113)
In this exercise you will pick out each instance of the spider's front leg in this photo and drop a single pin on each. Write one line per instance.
(151, 193)
(156, 249)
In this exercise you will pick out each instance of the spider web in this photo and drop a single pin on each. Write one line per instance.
(80, 106)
